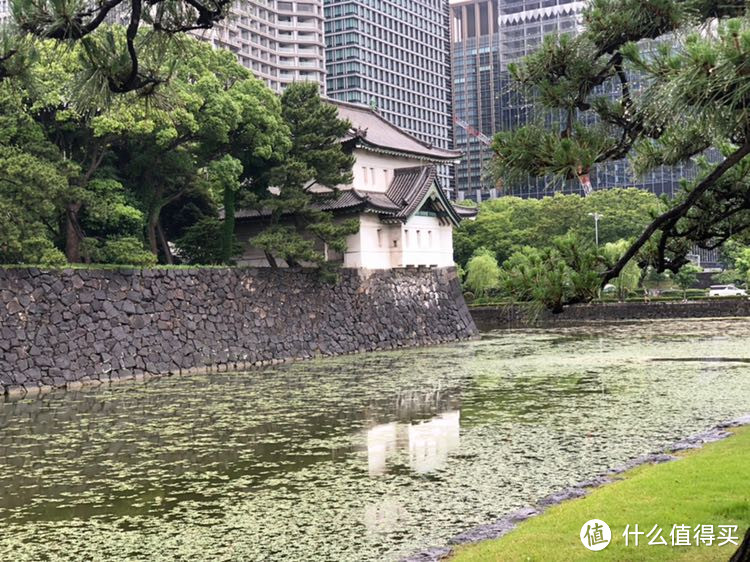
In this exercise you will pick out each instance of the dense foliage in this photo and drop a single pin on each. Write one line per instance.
(547, 253)
(506, 225)
(680, 70)
(140, 178)
(565, 272)
(305, 180)
(111, 62)
(482, 272)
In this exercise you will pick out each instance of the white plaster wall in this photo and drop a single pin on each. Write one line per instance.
(374, 172)
(421, 241)
(373, 246)
(427, 242)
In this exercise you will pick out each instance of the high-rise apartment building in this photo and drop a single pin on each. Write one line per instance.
(486, 36)
(281, 42)
(394, 55)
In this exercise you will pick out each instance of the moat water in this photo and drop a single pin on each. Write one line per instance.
(362, 457)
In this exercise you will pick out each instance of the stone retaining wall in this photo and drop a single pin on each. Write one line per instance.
(513, 316)
(71, 327)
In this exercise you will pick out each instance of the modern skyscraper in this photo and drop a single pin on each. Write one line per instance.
(394, 56)
(486, 36)
(475, 70)
(280, 41)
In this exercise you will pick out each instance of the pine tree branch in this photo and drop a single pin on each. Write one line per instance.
(667, 220)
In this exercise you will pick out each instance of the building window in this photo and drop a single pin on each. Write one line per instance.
(380, 237)
(419, 239)
(429, 239)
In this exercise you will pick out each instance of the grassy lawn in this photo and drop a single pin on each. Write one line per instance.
(710, 486)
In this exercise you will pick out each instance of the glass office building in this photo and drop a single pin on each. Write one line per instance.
(394, 56)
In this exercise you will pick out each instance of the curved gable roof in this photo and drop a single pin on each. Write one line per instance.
(372, 130)
(409, 190)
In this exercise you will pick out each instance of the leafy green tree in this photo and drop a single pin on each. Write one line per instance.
(33, 178)
(507, 224)
(482, 272)
(202, 242)
(105, 172)
(126, 250)
(565, 273)
(732, 255)
(628, 279)
(624, 213)
(521, 272)
(553, 286)
(740, 270)
(82, 137)
(691, 97)
(224, 129)
(686, 277)
(293, 192)
(93, 177)
(535, 275)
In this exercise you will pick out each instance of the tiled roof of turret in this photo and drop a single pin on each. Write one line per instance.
(372, 130)
(409, 190)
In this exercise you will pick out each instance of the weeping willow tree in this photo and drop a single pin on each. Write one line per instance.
(681, 73)
(112, 66)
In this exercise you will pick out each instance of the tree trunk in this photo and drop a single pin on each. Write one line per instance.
(743, 552)
(72, 233)
(227, 235)
(153, 219)
(271, 260)
(585, 180)
(164, 243)
(156, 204)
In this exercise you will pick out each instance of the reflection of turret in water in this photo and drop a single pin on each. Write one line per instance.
(428, 443)
(431, 442)
(413, 405)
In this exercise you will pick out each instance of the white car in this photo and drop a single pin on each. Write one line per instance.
(726, 291)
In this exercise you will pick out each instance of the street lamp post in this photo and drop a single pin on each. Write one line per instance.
(596, 216)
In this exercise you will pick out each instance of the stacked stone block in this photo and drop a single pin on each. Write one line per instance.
(71, 327)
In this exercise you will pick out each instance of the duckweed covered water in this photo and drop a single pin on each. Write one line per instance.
(365, 457)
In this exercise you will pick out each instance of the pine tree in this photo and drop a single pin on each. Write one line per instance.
(691, 59)
(315, 165)
(117, 64)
